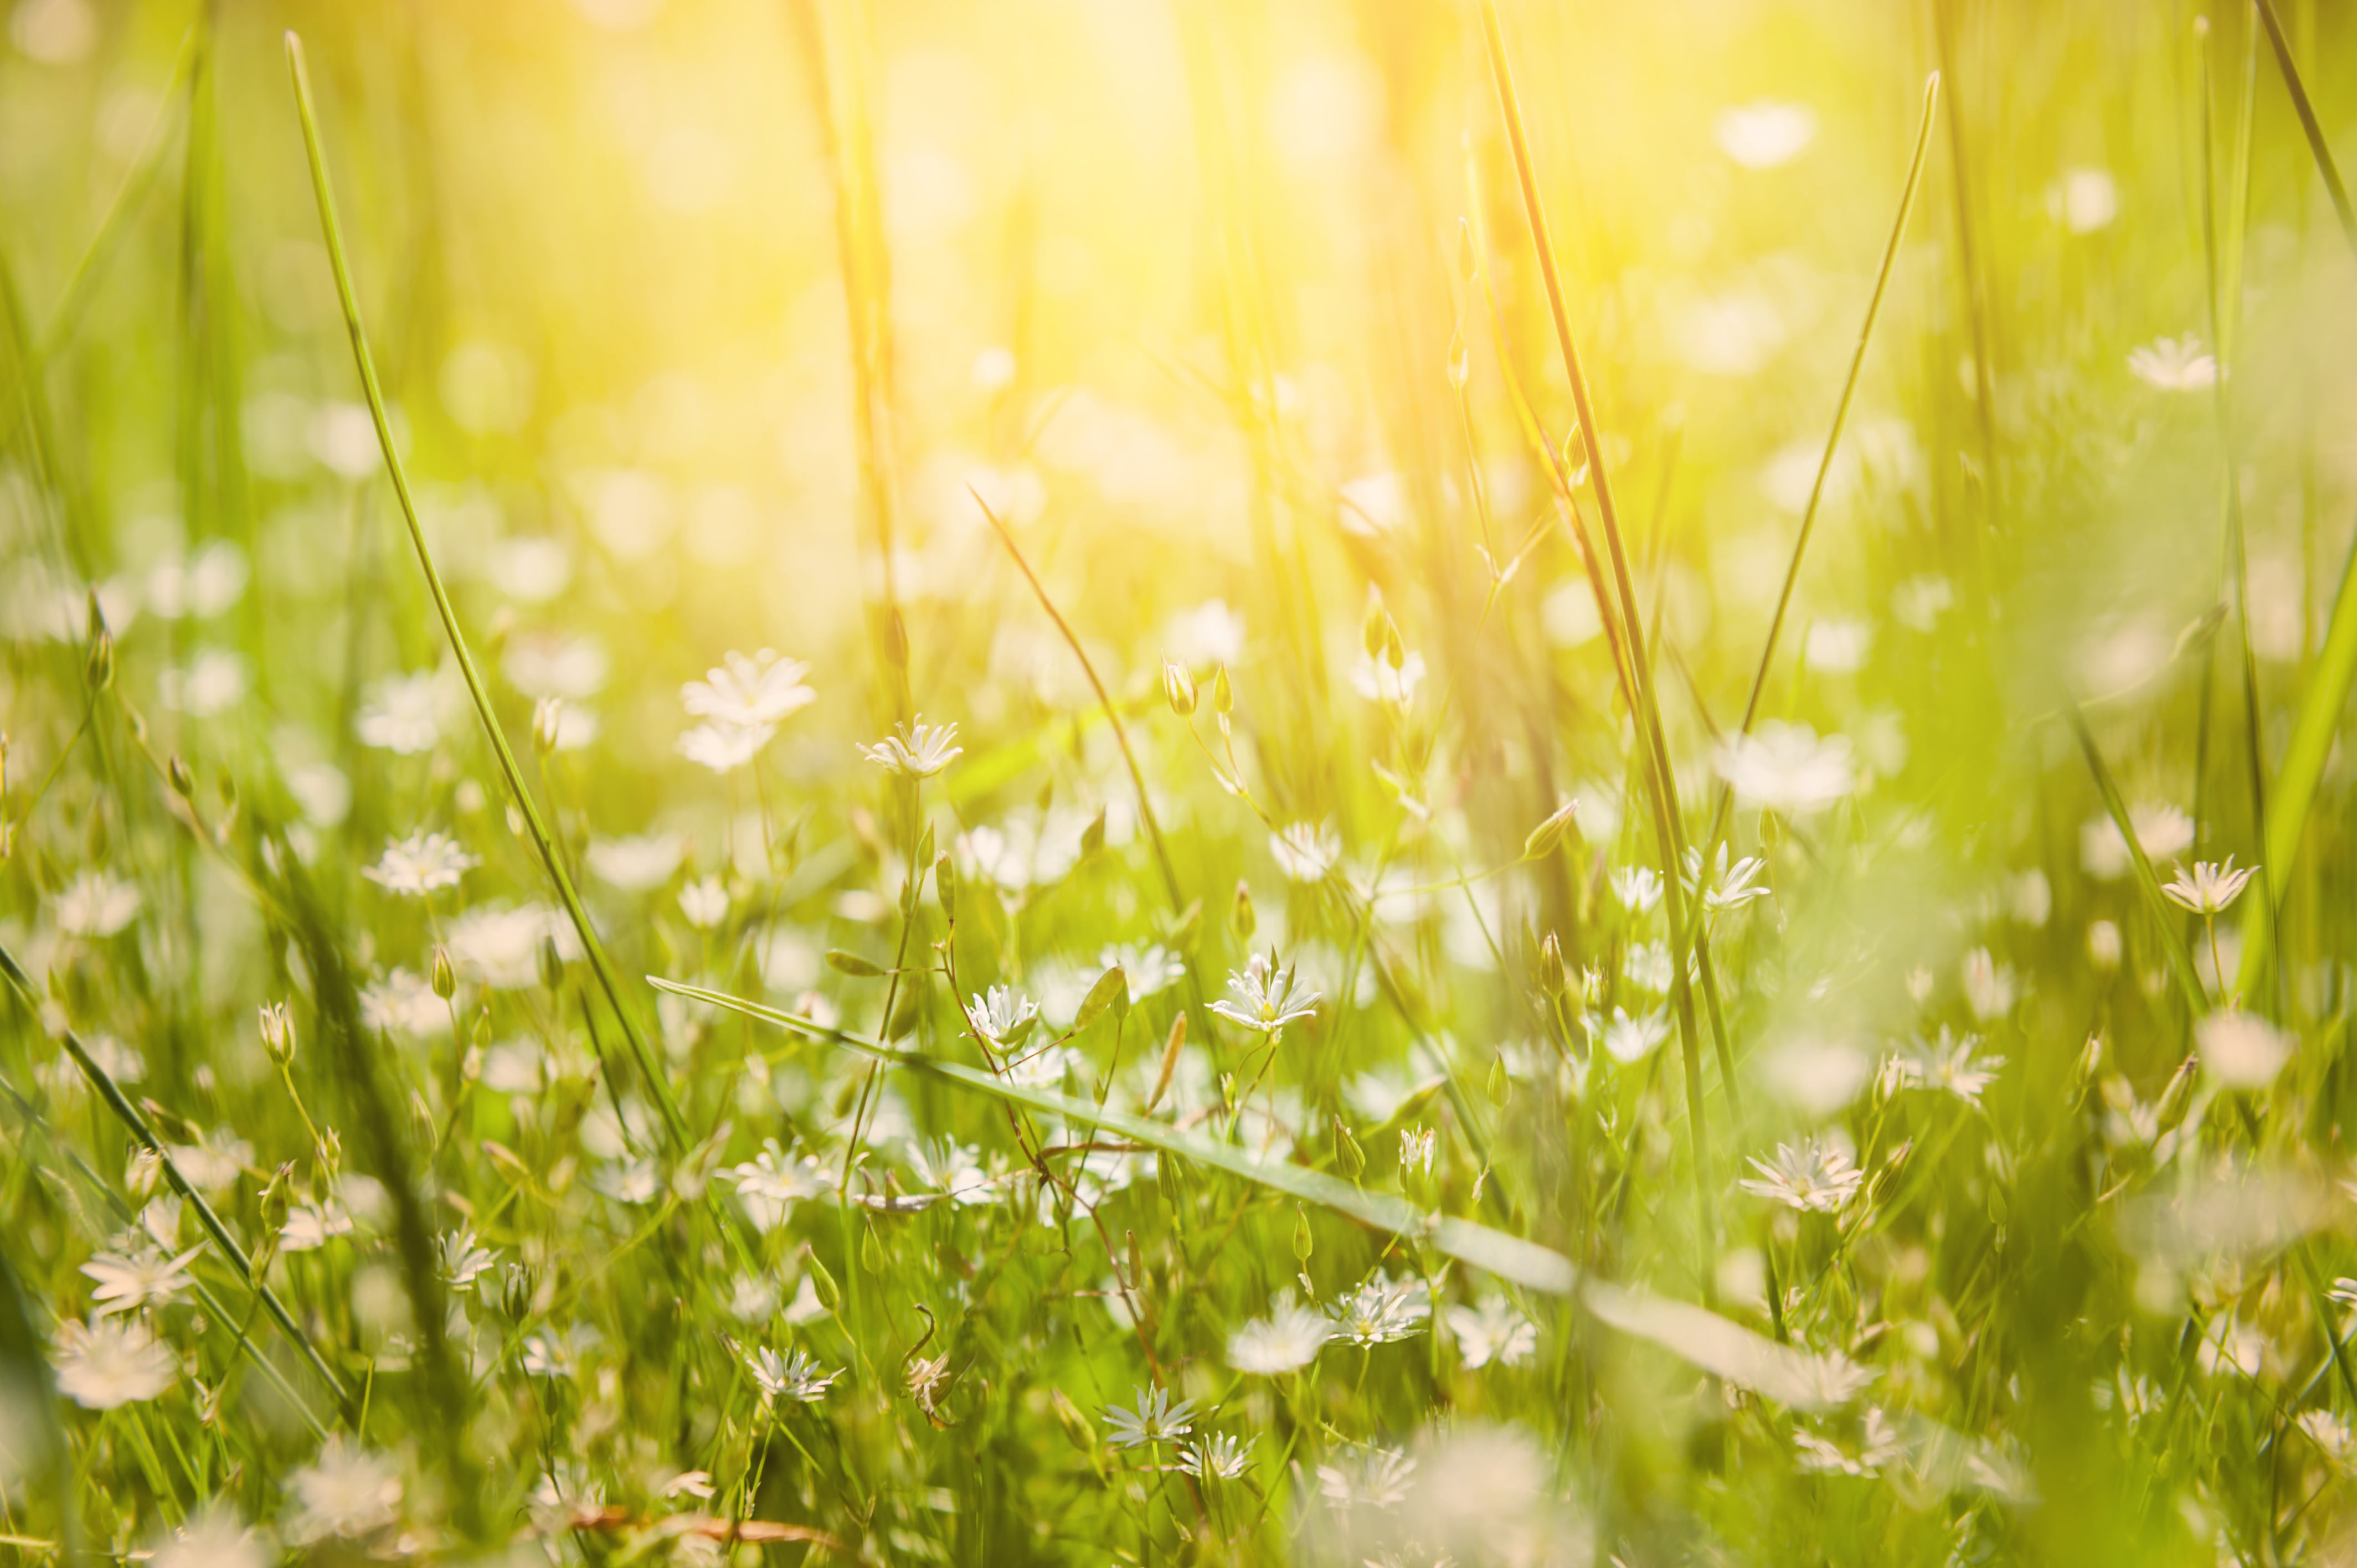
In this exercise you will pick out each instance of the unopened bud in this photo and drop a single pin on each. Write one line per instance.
(98, 670)
(547, 723)
(1549, 833)
(445, 981)
(830, 1294)
(184, 783)
(1348, 1158)
(277, 1024)
(1240, 914)
(1371, 630)
(1223, 696)
(1304, 1241)
(1179, 688)
(945, 885)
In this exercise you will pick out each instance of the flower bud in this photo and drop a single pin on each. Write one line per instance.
(277, 1024)
(1240, 914)
(1223, 696)
(547, 723)
(1179, 688)
(1549, 833)
(445, 981)
(184, 783)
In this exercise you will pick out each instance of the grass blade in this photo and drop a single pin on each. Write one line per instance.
(1717, 1344)
(1668, 827)
(136, 1124)
(2321, 704)
(658, 1085)
(2308, 123)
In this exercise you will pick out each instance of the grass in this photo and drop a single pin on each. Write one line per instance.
(1238, 785)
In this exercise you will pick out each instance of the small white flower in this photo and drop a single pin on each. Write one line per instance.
(420, 863)
(1493, 1331)
(794, 1376)
(1219, 1457)
(637, 864)
(111, 1361)
(2162, 831)
(402, 715)
(1377, 1478)
(404, 1003)
(1265, 998)
(1785, 768)
(1949, 1064)
(2085, 199)
(1306, 852)
(1767, 133)
(703, 904)
(1158, 1419)
(1380, 1311)
(1638, 887)
(750, 692)
(213, 1537)
(2241, 1050)
(128, 1283)
(915, 750)
(465, 1258)
(1288, 1339)
(2208, 889)
(1627, 1039)
(1816, 1177)
(723, 748)
(350, 1492)
(2174, 364)
(95, 904)
(1004, 1015)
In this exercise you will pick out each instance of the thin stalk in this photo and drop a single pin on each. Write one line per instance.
(658, 1085)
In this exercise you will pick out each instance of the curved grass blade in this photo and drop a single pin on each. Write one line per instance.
(1510, 1258)
(674, 1125)
(1715, 1344)
(129, 1116)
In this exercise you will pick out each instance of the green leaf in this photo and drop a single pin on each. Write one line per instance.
(852, 964)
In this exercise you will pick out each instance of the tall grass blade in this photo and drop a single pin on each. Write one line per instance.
(2327, 694)
(658, 1085)
(1661, 774)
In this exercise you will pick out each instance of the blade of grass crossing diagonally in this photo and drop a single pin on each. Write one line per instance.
(1716, 1344)
(2321, 704)
(136, 1124)
(2309, 126)
(658, 1085)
